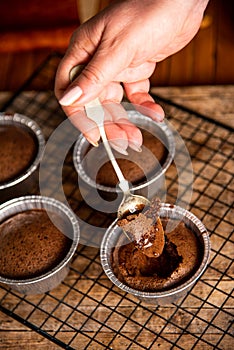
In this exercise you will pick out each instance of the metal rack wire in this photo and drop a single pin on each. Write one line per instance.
(86, 311)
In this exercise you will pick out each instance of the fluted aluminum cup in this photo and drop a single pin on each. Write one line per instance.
(50, 279)
(113, 233)
(28, 180)
(154, 182)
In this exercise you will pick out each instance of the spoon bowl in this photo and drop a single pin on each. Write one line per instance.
(131, 203)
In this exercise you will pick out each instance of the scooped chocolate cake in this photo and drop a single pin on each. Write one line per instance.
(146, 229)
(17, 151)
(136, 166)
(177, 261)
(31, 245)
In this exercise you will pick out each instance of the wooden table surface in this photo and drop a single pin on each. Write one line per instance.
(200, 321)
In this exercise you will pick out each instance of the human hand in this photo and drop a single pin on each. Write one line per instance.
(120, 47)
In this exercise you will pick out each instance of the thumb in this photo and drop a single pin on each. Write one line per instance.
(95, 76)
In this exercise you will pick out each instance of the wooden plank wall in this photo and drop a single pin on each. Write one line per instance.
(209, 58)
(27, 37)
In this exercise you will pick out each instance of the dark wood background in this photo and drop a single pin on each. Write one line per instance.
(31, 29)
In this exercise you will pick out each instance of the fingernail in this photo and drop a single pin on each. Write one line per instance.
(135, 147)
(93, 143)
(71, 96)
(118, 148)
(160, 117)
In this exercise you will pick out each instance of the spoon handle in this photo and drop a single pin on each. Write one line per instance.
(95, 112)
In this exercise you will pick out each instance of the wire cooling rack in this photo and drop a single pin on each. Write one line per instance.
(87, 311)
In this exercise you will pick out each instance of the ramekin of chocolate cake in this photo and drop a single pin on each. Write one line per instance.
(38, 238)
(21, 148)
(156, 255)
(144, 170)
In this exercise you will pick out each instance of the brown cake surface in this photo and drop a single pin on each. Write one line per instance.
(30, 245)
(17, 151)
(180, 257)
(136, 166)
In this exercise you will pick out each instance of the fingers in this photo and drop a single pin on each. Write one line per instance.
(80, 50)
(120, 131)
(105, 48)
(113, 94)
(88, 127)
(138, 94)
(62, 80)
(115, 134)
(133, 134)
(90, 83)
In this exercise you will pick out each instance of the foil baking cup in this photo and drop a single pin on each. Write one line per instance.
(27, 180)
(113, 234)
(50, 279)
(153, 182)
